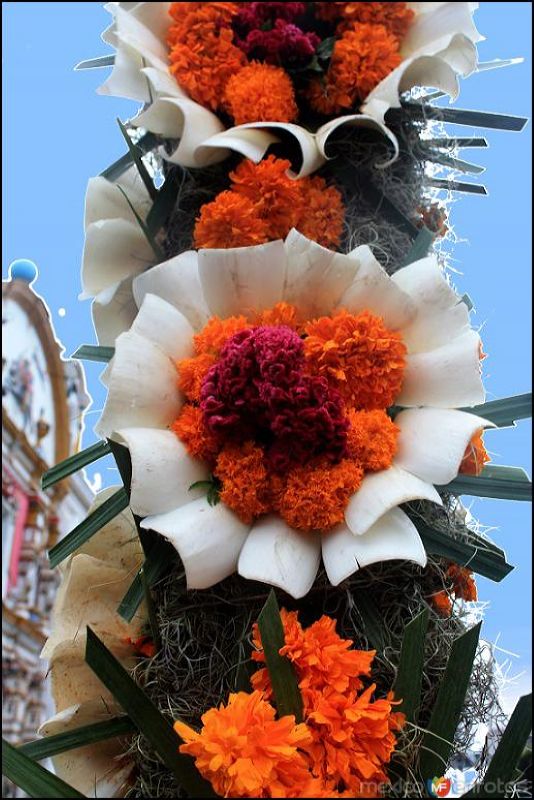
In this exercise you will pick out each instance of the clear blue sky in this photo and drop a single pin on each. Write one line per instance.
(58, 133)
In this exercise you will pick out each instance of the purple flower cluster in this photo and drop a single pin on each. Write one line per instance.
(267, 31)
(258, 390)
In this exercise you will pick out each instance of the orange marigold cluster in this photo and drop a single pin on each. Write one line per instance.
(280, 314)
(271, 203)
(316, 495)
(191, 430)
(260, 93)
(359, 356)
(246, 484)
(462, 586)
(244, 751)
(372, 439)
(362, 57)
(475, 457)
(396, 17)
(201, 51)
(353, 735)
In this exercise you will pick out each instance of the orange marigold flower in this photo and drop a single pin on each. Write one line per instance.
(434, 217)
(316, 495)
(476, 456)
(245, 752)
(320, 656)
(280, 314)
(191, 430)
(276, 197)
(191, 373)
(202, 54)
(245, 480)
(441, 602)
(231, 220)
(216, 332)
(463, 582)
(361, 59)
(359, 356)
(260, 93)
(323, 213)
(372, 439)
(396, 17)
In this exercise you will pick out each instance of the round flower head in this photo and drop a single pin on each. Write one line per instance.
(224, 76)
(268, 372)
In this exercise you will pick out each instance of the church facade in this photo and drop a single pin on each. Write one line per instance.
(43, 400)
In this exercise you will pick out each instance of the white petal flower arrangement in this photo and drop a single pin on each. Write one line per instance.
(442, 374)
(277, 402)
(438, 48)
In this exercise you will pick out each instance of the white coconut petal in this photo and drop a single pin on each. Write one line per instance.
(143, 388)
(154, 16)
(316, 277)
(131, 31)
(163, 324)
(441, 316)
(177, 282)
(104, 199)
(208, 540)
(372, 289)
(242, 280)
(382, 491)
(253, 139)
(126, 78)
(115, 249)
(89, 594)
(96, 770)
(436, 24)
(73, 681)
(113, 311)
(278, 555)
(162, 471)
(432, 441)
(448, 377)
(393, 537)
(356, 121)
(182, 118)
(117, 543)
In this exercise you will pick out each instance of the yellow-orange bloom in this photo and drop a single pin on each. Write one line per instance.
(216, 332)
(277, 198)
(372, 439)
(231, 220)
(245, 752)
(245, 480)
(396, 17)
(316, 494)
(260, 93)
(359, 356)
(363, 56)
(190, 428)
(463, 582)
(191, 373)
(323, 213)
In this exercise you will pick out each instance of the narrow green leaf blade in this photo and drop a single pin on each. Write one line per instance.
(164, 203)
(156, 564)
(32, 778)
(420, 247)
(373, 625)
(476, 119)
(502, 483)
(409, 678)
(437, 741)
(509, 750)
(74, 464)
(145, 715)
(457, 164)
(93, 352)
(148, 234)
(283, 678)
(481, 556)
(95, 63)
(450, 142)
(145, 144)
(458, 186)
(90, 525)
(79, 737)
(505, 412)
(138, 161)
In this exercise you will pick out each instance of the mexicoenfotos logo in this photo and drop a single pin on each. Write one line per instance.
(439, 787)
